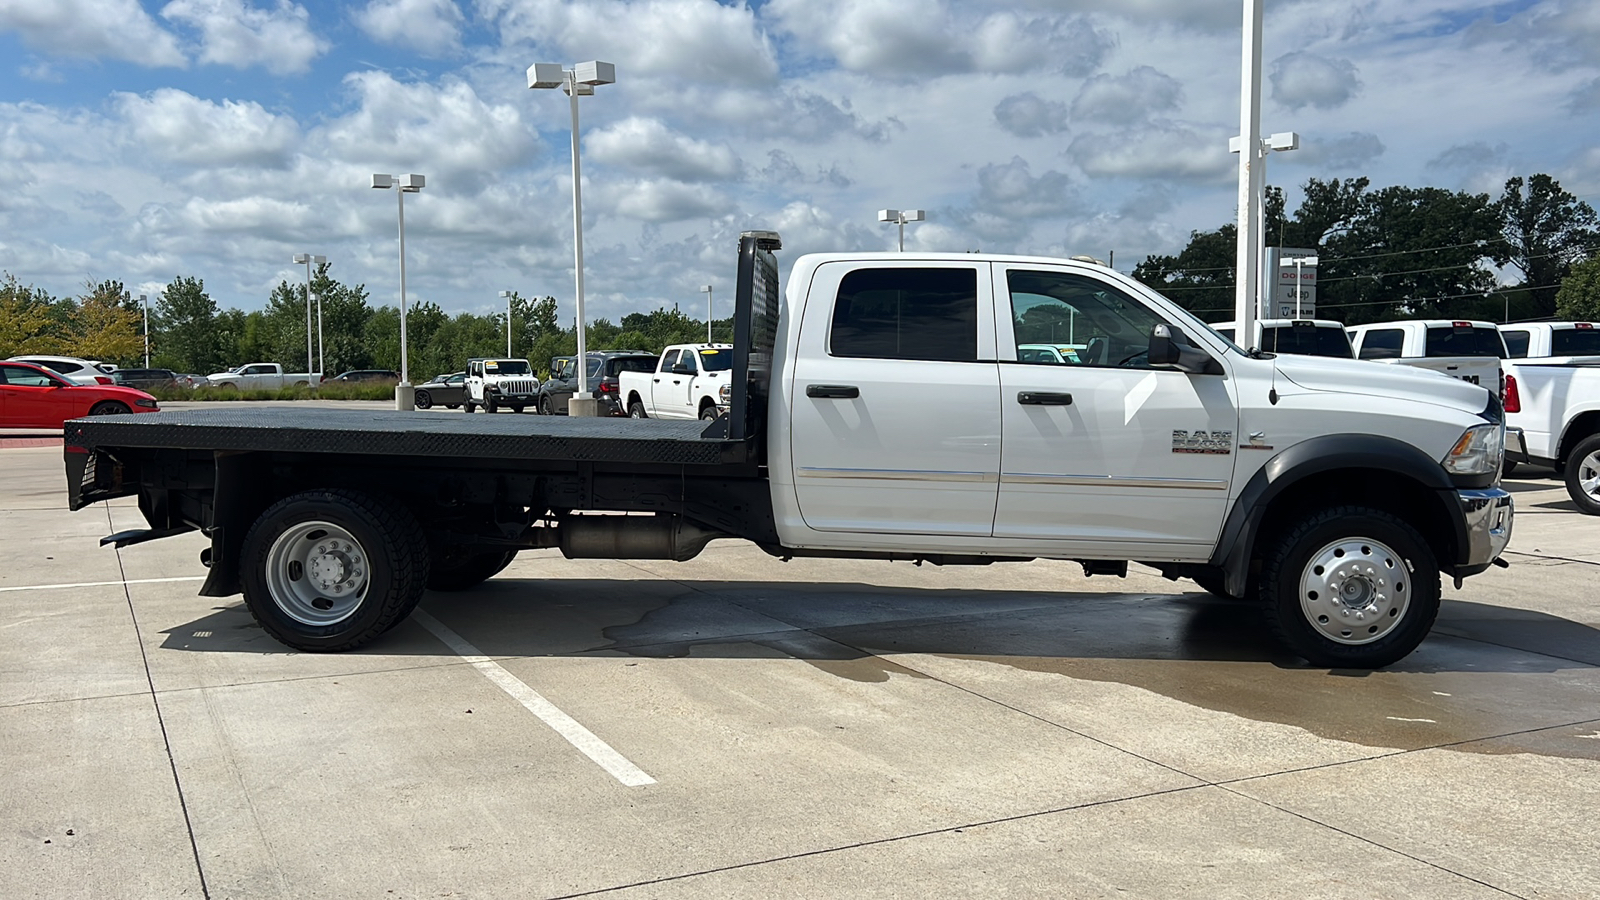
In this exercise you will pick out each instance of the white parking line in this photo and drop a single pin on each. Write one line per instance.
(578, 736)
(83, 584)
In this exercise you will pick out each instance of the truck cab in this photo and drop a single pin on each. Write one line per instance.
(1308, 337)
(1576, 343)
(497, 383)
(690, 381)
(1470, 351)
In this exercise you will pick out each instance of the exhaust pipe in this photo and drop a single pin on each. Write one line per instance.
(633, 537)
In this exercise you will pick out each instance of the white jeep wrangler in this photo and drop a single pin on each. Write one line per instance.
(496, 383)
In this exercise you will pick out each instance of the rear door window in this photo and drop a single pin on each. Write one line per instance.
(1516, 343)
(1573, 342)
(1383, 343)
(1445, 340)
(907, 313)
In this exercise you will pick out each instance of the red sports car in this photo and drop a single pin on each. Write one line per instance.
(34, 397)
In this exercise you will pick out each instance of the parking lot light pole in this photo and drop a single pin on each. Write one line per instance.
(308, 260)
(144, 301)
(706, 289)
(901, 217)
(404, 392)
(508, 295)
(578, 81)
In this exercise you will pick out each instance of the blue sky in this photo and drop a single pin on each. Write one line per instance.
(216, 138)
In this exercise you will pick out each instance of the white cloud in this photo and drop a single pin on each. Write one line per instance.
(1010, 190)
(180, 127)
(660, 200)
(233, 34)
(1124, 99)
(1308, 79)
(648, 145)
(696, 40)
(903, 38)
(1158, 149)
(111, 29)
(1029, 115)
(1342, 152)
(443, 131)
(431, 26)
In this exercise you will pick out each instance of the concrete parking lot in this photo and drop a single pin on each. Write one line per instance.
(739, 727)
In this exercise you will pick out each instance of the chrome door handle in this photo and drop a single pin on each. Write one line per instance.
(1043, 398)
(833, 391)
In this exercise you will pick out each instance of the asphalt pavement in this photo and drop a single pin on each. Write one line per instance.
(735, 726)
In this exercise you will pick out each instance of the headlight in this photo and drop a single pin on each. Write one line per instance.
(1479, 451)
(726, 393)
(147, 402)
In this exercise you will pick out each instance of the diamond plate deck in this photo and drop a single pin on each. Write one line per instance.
(392, 433)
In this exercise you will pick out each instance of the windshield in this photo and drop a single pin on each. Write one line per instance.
(716, 360)
(1446, 340)
(1307, 341)
(1575, 342)
(507, 367)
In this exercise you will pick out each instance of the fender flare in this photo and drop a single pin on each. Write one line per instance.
(1236, 544)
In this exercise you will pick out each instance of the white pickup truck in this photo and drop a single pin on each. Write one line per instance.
(1558, 342)
(261, 377)
(1470, 351)
(1308, 337)
(690, 381)
(1553, 403)
(880, 409)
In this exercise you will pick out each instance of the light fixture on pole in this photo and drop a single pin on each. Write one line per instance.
(706, 289)
(1283, 140)
(508, 296)
(144, 301)
(308, 260)
(901, 217)
(578, 81)
(1299, 275)
(404, 393)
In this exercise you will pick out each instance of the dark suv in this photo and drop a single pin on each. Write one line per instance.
(364, 376)
(601, 375)
(145, 378)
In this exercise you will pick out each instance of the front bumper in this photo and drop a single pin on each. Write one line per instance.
(1487, 514)
(518, 398)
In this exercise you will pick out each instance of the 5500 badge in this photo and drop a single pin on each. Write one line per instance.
(1202, 442)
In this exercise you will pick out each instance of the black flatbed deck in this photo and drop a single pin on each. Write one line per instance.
(319, 430)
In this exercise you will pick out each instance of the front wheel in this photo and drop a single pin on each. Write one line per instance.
(109, 408)
(546, 408)
(489, 406)
(636, 409)
(708, 413)
(1583, 475)
(469, 406)
(329, 570)
(424, 400)
(1350, 587)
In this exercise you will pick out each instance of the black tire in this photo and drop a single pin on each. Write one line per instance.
(636, 409)
(489, 406)
(384, 563)
(424, 400)
(1366, 555)
(469, 406)
(546, 408)
(1216, 585)
(708, 413)
(460, 570)
(109, 408)
(1582, 475)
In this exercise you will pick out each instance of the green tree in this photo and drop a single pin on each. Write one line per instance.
(26, 325)
(1546, 231)
(184, 333)
(106, 326)
(1579, 296)
(1200, 278)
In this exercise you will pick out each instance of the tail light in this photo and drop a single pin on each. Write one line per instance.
(1513, 400)
(101, 379)
(608, 387)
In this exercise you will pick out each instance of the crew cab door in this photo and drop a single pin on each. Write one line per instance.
(1107, 451)
(895, 399)
(675, 393)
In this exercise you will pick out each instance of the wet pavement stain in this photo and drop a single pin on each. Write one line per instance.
(1487, 671)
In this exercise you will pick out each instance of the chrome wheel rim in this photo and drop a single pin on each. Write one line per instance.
(1355, 591)
(1589, 475)
(318, 573)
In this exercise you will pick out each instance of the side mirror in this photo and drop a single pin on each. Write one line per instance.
(1170, 349)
